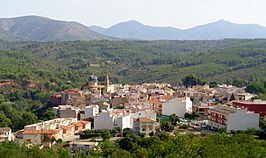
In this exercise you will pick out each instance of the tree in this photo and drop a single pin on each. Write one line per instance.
(251, 131)
(108, 148)
(222, 130)
(2, 98)
(183, 126)
(174, 119)
(167, 126)
(4, 121)
(49, 114)
(263, 123)
(105, 134)
(213, 84)
(191, 116)
(28, 118)
(255, 88)
(127, 131)
(191, 80)
(239, 83)
(116, 131)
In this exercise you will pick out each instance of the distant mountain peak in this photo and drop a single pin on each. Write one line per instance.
(131, 22)
(46, 29)
(223, 21)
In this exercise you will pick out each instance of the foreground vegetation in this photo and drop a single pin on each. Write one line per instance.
(161, 145)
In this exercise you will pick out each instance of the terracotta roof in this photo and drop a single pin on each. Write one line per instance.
(166, 97)
(84, 122)
(67, 127)
(78, 124)
(5, 129)
(146, 119)
(49, 132)
(154, 101)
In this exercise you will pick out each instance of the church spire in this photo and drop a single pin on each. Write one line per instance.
(106, 82)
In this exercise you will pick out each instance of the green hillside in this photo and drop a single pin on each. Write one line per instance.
(62, 63)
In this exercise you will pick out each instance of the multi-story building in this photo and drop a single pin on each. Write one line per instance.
(68, 111)
(55, 129)
(233, 119)
(51, 124)
(112, 119)
(257, 106)
(144, 125)
(74, 97)
(91, 111)
(178, 106)
(137, 113)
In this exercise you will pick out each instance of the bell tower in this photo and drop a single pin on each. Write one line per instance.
(106, 83)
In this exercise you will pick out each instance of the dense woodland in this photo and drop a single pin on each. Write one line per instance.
(134, 61)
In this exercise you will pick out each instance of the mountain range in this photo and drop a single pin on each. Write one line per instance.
(212, 31)
(45, 29)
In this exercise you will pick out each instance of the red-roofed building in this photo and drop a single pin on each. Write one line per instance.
(81, 126)
(78, 127)
(36, 136)
(257, 106)
(68, 130)
(144, 125)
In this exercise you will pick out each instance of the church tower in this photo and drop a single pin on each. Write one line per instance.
(106, 83)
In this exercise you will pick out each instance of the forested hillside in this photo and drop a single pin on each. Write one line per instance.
(61, 64)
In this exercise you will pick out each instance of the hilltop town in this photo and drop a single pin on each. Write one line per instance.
(87, 116)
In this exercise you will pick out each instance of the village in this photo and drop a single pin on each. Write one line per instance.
(95, 112)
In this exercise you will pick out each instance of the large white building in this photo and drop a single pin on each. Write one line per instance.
(178, 106)
(91, 111)
(148, 113)
(232, 119)
(112, 119)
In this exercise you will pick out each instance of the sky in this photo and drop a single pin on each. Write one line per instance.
(181, 14)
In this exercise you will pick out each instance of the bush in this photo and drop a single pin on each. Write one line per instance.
(167, 126)
(222, 130)
(183, 126)
(127, 131)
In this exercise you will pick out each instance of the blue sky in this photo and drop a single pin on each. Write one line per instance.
(177, 13)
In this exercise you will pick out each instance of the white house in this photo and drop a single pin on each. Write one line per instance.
(233, 119)
(5, 134)
(112, 119)
(91, 111)
(178, 106)
(143, 113)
